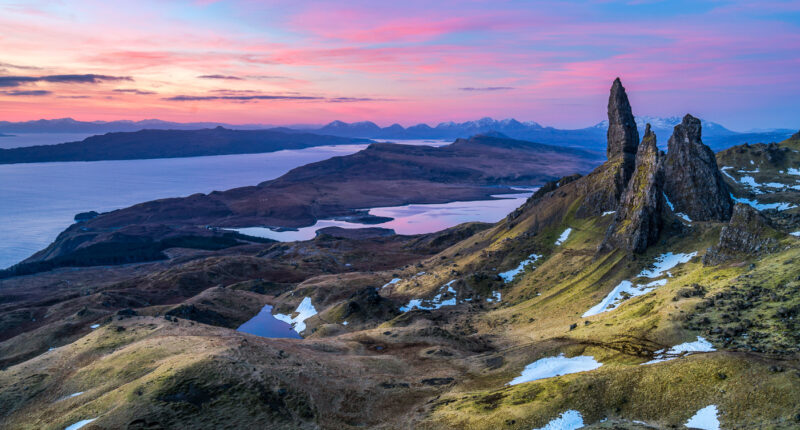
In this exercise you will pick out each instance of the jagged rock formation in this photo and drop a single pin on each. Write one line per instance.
(748, 233)
(693, 182)
(623, 141)
(638, 221)
(623, 137)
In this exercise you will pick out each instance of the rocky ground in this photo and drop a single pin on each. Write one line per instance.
(673, 308)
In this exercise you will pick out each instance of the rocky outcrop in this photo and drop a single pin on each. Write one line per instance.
(623, 137)
(693, 182)
(637, 222)
(623, 140)
(747, 234)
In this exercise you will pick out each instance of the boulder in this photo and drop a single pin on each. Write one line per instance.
(693, 182)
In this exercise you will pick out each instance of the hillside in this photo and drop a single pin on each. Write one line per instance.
(640, 295)
(379, 176)
(169, 144)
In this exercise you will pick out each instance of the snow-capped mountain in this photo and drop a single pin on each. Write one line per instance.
(668, 123)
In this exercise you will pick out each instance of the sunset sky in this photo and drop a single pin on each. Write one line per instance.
(410, 61)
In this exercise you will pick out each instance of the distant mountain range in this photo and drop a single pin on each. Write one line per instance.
(592, 138)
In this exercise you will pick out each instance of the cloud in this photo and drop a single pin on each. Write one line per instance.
(27, 93)
(486, 88)
(133, 91)
(224, 77)
(185, 98)
(74, 97)
(15, 81)
(17, 66)
(353, 99)
(247, 95)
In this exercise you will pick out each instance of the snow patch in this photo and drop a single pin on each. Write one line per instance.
(723, 170)
(680, 215)
(563, 238)
(304, 311)
(569, 420)
(436, 302)
(70, 396)
(555, 366)
(705, 419)
(627, 289)
(94, 326)
(344, 323)
(608, 213)
(392, 282)
(496, 296)
(80, 424)
(686, 348)
(795, 233)
(763, 206)
(793, 171)
(511, 274)
(666, 262)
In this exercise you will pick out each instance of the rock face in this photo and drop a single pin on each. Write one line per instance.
(693, 182)
(748, 233)
(623, 137)
(638, 222)
(623, 141)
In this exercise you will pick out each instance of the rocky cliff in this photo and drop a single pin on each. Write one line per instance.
(747, 234)
(638, 219)
(693, 182)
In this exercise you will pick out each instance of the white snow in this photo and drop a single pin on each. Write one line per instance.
(496, 296)
(563, 238)
(392, 282)
(608, 213)
(94, 326)
(795, 233)
(669, 203)
(79, 424)
(305, 310)
(681, 215)
(793, 171)
(686, 348)
(511, 274)
(752, 162)
(70, 396)
(569, 420)
(705, 419)
(555, 366)
(344, 323)
(665, 262)
(763, 206)
(627, 289)
(722, 169)
(623, 291)
(436, 302)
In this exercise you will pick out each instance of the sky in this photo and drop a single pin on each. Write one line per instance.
(310, 62)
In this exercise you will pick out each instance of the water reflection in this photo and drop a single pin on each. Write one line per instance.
(266, 325)
(410, 219)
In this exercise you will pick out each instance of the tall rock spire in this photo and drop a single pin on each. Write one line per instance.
(637, 222)
(623, 137)
(614, 175)
(693, 182)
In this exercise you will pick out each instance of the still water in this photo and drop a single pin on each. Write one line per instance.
(410, 219)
